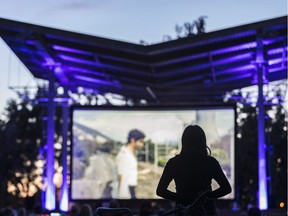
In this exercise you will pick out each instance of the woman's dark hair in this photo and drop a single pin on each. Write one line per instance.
(194, 141)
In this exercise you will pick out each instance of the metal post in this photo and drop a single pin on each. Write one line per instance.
(262, 178)
(156, 154)
(64, 187)
(50, 198)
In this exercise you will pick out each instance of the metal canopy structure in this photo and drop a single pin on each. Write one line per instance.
(195, 69)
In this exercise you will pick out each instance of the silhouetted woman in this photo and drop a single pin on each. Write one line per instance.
(192, 171)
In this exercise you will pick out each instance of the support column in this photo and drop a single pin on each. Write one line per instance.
(50, 196)
(262, 178)
(64, 188)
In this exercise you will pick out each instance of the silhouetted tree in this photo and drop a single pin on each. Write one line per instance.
(166, 38)
(246, 158)
(189, 27)
(200, 24)
(20, 142)
(276, 137)
(22, 137)
(247, 155)
(178, 30)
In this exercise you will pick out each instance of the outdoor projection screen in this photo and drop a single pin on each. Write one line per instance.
(98, 134)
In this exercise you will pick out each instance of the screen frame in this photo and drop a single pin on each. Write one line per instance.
(73, 108)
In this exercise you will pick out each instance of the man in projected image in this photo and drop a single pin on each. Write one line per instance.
(126, 163)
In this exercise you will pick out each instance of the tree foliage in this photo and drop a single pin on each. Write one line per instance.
(23, 140)
(20, 142)
(247, 155)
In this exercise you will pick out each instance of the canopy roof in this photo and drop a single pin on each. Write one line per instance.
(194, 69)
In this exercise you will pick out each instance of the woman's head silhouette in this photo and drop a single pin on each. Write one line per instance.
(194, 141)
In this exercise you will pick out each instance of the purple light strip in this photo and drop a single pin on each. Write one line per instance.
(84, 71)
(177, 60)
(93, 80)
(277, 51)
(245, 56)
(234, 48)
(236, 69)
(56, 100)
(71, 50)
(281, 68)
(77, 60)
(276, 61)
(274, 40)
(241, 76)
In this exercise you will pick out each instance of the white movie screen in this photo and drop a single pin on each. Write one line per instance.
(98, 135)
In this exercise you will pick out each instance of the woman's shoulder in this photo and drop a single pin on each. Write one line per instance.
(180, 159)
(174, 159)
(211, 159)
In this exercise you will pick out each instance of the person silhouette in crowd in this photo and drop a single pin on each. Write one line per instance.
(127, 165)
(21, 212)
(254, 211)
(7, 211)
(145, 208)
(192, 171)
(113, 203)
(85, 210)
(74, 210)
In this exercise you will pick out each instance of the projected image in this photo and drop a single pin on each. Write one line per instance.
(100, 142)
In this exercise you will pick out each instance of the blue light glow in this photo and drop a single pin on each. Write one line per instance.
(61, 75)
(50, 195)
(50, 190)
(263, 203)
(64, 199)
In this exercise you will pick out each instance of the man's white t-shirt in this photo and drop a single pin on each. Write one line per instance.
(126, 164)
